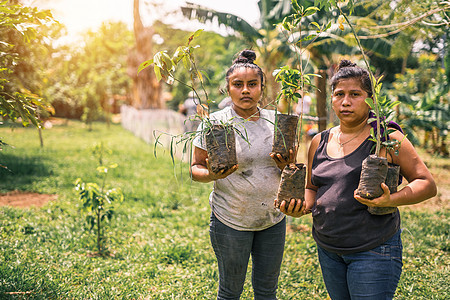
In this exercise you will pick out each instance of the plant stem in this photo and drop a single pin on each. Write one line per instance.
(372, 79)
(99, 246)
(99, 211)
(208, 104)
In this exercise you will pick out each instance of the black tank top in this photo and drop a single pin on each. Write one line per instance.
(341, 224)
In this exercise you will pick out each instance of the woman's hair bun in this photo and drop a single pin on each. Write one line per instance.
(246, 56)
(346, 63)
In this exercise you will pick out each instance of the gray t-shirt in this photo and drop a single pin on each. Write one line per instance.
(244, 199)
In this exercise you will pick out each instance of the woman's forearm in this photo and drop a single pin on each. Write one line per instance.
(415, 192)
(200, 173)
(310, 197)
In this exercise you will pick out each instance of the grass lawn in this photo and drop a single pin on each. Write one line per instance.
(158, 238)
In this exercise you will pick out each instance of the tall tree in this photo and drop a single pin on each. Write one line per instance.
(82, 82)
(147, 90)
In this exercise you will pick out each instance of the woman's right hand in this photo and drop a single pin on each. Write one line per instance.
(201, 168)
(222, 173)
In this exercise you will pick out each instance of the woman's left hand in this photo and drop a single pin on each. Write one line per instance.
(280, 161)
(296, 208)
(382, 201)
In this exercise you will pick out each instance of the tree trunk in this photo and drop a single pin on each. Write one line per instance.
(146, 88)
(269, 63)
(321, 97)
(272, 89)
(41, 139)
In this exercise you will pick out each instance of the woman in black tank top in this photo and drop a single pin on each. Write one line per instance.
(359, 253)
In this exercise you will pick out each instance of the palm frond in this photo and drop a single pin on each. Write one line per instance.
(204, 14)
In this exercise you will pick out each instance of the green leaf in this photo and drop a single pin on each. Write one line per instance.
(372, 132)
(178, 55)
(199, 75)
(370, 102)
(295, 5)
(316, 25)
(313, 8)
(102, 169)
(308, 37)
(157, 72)
(186, 63)
(194, 35)
(310, 11)
(90, 220)
(145, 65)
(286, 24)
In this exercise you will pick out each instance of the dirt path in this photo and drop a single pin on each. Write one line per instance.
(25, 199)
(29, 199)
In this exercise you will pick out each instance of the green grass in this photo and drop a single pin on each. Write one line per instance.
(158, 238)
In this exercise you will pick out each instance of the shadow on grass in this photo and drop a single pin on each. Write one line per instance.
(20, 170)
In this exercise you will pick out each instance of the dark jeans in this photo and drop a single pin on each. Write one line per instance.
(233, 248)
(372, 274)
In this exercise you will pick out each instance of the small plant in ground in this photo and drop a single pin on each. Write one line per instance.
(98, 200)
(99, 150)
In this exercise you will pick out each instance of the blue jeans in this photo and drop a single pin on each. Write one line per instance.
(233, 248)
(372, 274)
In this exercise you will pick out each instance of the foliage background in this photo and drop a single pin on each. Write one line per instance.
(407, 43)
(159, 236)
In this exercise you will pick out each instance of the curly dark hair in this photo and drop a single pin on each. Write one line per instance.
(348, 69)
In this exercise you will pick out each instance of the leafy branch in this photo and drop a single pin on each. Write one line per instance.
(381, 106)
(375, 88)
(164, 67)
(294, 80)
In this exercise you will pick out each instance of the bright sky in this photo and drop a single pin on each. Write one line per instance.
(80, 15)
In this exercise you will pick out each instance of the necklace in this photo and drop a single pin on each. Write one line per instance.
(344, 143)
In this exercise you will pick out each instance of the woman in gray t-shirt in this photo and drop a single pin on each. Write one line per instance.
(244, 221)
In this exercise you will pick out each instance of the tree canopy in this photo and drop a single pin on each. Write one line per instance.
(89, 79)
(24, 31)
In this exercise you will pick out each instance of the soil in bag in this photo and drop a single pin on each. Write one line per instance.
(285, 136)
(373, 173)
(292, 184)
(392, 176)
(221, 147)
